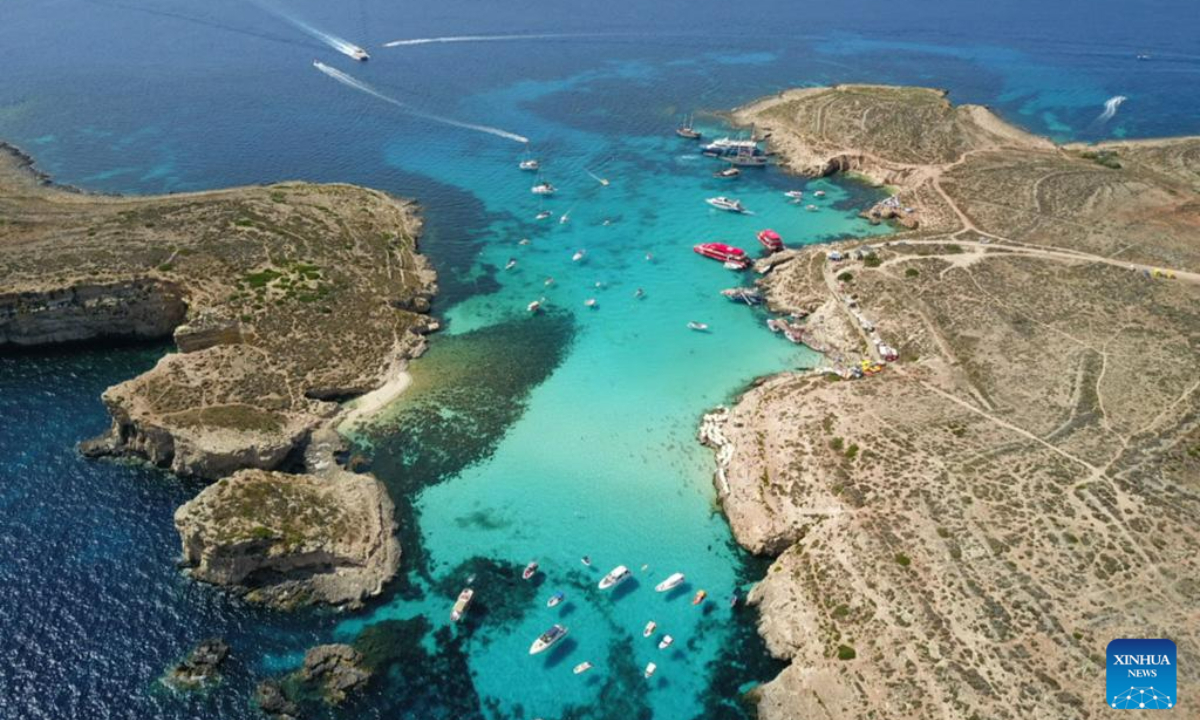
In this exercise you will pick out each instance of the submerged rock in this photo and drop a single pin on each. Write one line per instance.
(201, 667)
(290, 540)
(270, 697)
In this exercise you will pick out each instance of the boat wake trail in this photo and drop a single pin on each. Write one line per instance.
(361, 86)
(340, 44)
(479, 38)
(1110, 108)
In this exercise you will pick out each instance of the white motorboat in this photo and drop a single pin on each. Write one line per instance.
(582, 667)
(542, 188)
(578, 255)
(556, 598)
(698, 326)
(461, 605)
(534, 306)
(615, 577)
(811, 208)
(650, 668)
(665, 642)
(819, 193)
(727, 204)
(547, 639)
(543, 215)
(524, 241)
(649, 629)
(530, 165)
(590, 302)
(669, 583)
(532, 568)
(358, 53)
(794, 194)
(510, 264)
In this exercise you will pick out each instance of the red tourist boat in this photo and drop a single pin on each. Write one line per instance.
(721, 251)
(770, 240)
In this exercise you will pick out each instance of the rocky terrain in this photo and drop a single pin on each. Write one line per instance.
(961, 534)
(281, 301)
(330, 674)
(201, 668)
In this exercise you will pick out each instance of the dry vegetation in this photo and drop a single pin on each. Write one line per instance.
(962, 535)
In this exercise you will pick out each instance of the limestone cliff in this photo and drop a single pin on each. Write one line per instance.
(292, 539)
(961, 534)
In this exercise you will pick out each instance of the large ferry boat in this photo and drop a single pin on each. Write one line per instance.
(721, 251)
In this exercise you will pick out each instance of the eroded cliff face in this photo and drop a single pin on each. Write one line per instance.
(288, 539)
(134, 309)
(281, 300)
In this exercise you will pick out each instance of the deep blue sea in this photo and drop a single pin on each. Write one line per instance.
(522, 437)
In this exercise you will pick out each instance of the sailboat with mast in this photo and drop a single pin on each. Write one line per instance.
(687, 131)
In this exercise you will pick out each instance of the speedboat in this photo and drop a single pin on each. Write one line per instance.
(461, 605)
(727, 173)
(530, 165)
(547, 639)
(770, 240)
(819, 193)
(532, 568)
(543, 215)
(794, 194)
(698, 326)
(699, 597)
(534, 306)
(582, 667)
(669, 583)
(665, 642)
(578, 255)
(721, 251)
(542, 188)
(649, 629)
(650, 668)
(556, 598)
(615, 577)
(359, 54)
(727, 204)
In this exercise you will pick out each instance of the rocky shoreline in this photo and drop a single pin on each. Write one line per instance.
(262, 289)
(941, 529)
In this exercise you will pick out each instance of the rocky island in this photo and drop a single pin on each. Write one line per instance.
(961, 533)
(281, 301)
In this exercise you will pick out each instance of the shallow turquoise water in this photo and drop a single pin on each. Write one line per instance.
(522, 437)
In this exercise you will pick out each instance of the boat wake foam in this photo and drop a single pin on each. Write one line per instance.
(478, 38)
(1110, 108)
(361, 86)
(341, 45)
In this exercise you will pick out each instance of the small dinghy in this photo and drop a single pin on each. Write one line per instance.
(534, 306)
(698, 326)
(665, 642)
(530, 570)
(524, 241)
(543, 215)
(615, 577)
(512, 263)
(819, 193)
(579, 255)
(586, 560)
(543, 188)
(728, 173)
(811, 208)
(461, 605)
(591, 302)
(699, 597)
(582, 667)
(649, 629)
(650, 668)
(547, 639)
(794, 194)
(669, 583)
(530, 165)
(555, 599)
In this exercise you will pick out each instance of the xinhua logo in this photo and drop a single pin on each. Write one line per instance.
(1141, 674)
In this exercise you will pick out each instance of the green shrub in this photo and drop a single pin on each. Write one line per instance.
(912, 272)
(846, 277)
(845, 652)
(903, 560)
(872, 261)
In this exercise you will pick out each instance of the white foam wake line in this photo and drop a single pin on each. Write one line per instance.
(341, 45)
(1110, 107)
(478, 38)
(361, 86)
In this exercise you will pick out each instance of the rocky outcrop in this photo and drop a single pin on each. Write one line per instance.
(136, 309)
(335, 670)
(201, 667)
(288, 540)
(272, 700)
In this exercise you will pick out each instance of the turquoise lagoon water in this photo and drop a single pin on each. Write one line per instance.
(546, 436)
